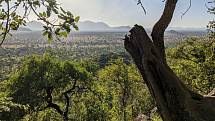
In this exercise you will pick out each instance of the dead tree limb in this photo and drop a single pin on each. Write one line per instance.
(50, 104)
(160, 27)
(175, 102)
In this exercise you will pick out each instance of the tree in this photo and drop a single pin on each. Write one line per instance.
(193, 61)
(47, 83)
(211, 25)
(57, 21)
(11, 111)
(123, 91)
(174, 100)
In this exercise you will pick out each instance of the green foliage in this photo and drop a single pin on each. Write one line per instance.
(124, 92)
(156, 117)
(194, 62)
(46, 11)
(115, 92)
(46, 115)
(11, 111)
(38, 73)
(106, 59)
(88, 106)
(90, 65)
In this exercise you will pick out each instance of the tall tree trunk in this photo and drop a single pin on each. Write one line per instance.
(175, 102)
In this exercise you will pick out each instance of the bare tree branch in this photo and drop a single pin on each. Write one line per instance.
(190, 4)
(139, 2)
(7, 28)
(174, 100)
(49, 100)
(67, 94)
(160, 27)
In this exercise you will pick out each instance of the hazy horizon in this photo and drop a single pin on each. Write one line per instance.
(127, 13)
(89, 25)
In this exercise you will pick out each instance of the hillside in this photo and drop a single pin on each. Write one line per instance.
(83, 26)
(100, 26)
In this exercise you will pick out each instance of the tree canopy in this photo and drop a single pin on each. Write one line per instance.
(57, 21)
(112, 93)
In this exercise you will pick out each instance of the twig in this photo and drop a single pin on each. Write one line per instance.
(7, 23)
(141, 4)
(41, 18)
(190, 4)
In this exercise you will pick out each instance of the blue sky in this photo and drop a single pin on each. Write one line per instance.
(126, 12)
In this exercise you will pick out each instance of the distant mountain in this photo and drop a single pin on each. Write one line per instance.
(83, 26)
(89, 25)
(99, 26)
(34, 26)
(174, 33)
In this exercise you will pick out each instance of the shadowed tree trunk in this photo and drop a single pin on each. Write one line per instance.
(175, 102)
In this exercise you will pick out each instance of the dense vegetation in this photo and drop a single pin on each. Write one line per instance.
(109, 93)
(106, 88)
(63, 86)
(194, 62)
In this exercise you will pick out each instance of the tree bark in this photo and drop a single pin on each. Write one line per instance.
(175, 102)
(160, 27)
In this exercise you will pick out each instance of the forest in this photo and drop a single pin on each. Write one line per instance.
(61, 75)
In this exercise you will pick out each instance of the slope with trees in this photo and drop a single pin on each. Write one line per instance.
(175, 101)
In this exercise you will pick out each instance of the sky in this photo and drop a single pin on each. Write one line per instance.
(126, 12)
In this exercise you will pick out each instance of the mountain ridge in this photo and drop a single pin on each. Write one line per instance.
(99, 26)
(83, 26)
(102, 26)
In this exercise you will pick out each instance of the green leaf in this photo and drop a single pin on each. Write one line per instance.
(77, 19)
(57, 31)
(63, 10)
(48, 12)
(63, 34)
(50, 37)
(45, 33)
(75, 27)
